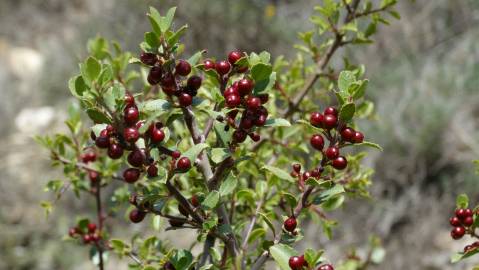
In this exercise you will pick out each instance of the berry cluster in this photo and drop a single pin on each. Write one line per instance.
(90, 156)
(462, 220)
(90, 236)
(239, 96)
(139, 159)
(298, 263)
(337, 134)
(172, 83)
(302, 177)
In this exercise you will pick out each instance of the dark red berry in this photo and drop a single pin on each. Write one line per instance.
(468, 212)
(231, 91)
(87, 239)
(95, 237)
(94, 176)
(468, 221)
(233, 101)
(315, 173)
(331, 111)
(209, 64)
(148, 58)
(332, 152)
(316, 119)
(136, 216)
(317, 142)
(261, 120)
(468, 248)
(168, 266)
(102, 141)
(168, 81)
(91, 227)
(183, 68)
(325, 267)
(347, 134)
(157, 135)
(358, 137)
(185, 100)
(253, 103)
(245, 86)
(264, 98)
(234, 56)
(239, 136)
(136, 158)
(152, 171)
(129, 100)
(115, 151)
(458, 232)
(183, 164)
(131, 134)
(339, 163)
(175, 154)
(73, 232)
(330, 121)
(194, 82)
(154, 76)
(246, 123)
(255, 137)
(306, 175)
(461, 213)
(454, 221)
(222, 67)
(89, 156)
(131, 175)
(131, 115)
(194, 201)
(290, 224)
(297, 167)
(295, 263)
(242, 69)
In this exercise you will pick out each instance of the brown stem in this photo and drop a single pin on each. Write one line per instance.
(99, 210)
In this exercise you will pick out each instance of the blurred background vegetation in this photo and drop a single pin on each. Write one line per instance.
(424, 73)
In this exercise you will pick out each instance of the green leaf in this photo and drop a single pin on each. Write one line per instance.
(290, 199)
(152, 40)
(277, 122)
(77, 86)
(279, 173)
(194, 151)
(462, 201)
(219, 154)
(268, 222)
(155, 18)
(176, 36)
(328, 194)
(157, 105)
(195, 58)
(263, 77)
(211, 200)
(281, 254)
(165, 22)
(461, 256)
(346, 78)
(359, 91)
(97, 116)
(346, 112)
(255, 234)
(228, 186)
(182, 259)
(333, 203)
(90, 69)
(369, 144)
(312, 257)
